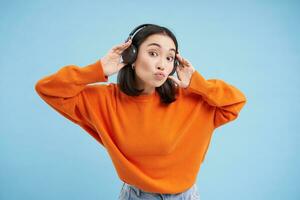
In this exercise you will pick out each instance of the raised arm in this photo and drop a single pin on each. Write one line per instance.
(227, 99)
(68, 92)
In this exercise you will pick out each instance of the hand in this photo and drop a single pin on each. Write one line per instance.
(184, 72)
(111, 61)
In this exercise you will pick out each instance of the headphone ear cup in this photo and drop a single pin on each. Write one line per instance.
(176, 63)
(129, 55)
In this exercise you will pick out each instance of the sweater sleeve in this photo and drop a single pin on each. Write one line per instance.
(68, 92)
(227, 99)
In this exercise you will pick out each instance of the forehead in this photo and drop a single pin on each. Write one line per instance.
(164, 41)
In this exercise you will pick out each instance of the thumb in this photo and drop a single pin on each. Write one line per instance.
(174, 79)
(121, 65)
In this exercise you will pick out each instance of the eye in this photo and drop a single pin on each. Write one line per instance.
(171, 58)
(152, 52)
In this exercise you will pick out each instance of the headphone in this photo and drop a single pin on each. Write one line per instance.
(129, 55)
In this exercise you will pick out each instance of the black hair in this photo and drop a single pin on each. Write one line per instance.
(126, 75)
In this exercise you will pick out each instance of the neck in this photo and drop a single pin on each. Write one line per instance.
(147, 89)
(148, 92)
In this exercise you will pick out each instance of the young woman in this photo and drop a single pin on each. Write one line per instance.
(155, 127)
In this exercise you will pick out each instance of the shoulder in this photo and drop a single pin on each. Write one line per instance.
(187, 95)
(102, 89)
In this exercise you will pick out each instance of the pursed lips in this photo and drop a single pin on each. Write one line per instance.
(160, 73)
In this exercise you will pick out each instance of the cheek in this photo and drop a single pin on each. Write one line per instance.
(171, 68)
(145, 64)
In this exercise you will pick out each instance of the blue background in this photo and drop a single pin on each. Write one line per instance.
(253, 45)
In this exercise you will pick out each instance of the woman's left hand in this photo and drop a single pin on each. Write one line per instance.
(184, 72)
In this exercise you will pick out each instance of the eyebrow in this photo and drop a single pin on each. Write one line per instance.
(155, 44)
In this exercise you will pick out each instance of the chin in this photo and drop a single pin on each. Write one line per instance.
(158, 84)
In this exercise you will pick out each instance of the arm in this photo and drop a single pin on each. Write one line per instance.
(227, 99)
(67, 91)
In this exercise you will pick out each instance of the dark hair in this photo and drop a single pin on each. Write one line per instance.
(126, 76)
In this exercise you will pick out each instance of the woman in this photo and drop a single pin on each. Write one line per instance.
(155, 127)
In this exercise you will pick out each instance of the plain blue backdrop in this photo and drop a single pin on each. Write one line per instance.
(253, 45)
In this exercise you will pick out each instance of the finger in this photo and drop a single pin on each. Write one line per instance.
(121, 65)
(186, 62)
(179, 57)
(122, 46)
(183, 60)
(125, 44)
(174, 79)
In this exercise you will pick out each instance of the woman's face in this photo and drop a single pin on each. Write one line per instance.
(155, 55)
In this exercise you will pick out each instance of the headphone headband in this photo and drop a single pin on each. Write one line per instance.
(131, 35)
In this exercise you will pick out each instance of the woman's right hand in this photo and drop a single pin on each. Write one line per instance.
(111, 61)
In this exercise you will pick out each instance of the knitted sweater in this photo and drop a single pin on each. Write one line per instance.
(155, 147)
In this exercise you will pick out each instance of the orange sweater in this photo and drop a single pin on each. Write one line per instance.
(154, 147)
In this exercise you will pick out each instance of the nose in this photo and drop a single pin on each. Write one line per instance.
(161, 65)
(160, 68)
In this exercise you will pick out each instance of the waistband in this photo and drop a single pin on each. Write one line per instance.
(139, 191)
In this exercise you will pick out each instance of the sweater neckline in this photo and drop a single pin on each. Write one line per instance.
(141, 97)
(144, 97)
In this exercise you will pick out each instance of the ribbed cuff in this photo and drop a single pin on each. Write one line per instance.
(95, 71)
(198, 83)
